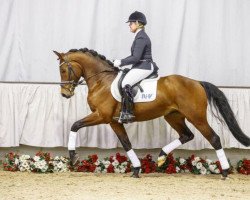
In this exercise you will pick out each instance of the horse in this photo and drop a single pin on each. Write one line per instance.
(178, 98)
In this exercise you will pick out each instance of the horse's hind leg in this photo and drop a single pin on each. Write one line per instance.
(123, 137)
(202, 125)
(176, 121)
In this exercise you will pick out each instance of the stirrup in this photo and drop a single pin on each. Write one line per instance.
(125, 118)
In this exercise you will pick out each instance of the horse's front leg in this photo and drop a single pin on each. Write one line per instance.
(90, 120)
(123, 137)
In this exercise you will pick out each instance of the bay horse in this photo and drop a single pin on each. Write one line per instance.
(178, 98)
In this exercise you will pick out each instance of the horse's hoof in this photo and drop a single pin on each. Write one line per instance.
(135, 176)
(136, 172)
(224, 178)
(161, 160)
(73, 157)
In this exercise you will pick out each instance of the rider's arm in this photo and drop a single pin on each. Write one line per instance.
(140, 44)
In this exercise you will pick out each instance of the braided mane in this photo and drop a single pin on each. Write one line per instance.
(94, 53)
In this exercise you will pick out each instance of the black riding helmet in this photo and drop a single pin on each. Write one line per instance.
(137, 16)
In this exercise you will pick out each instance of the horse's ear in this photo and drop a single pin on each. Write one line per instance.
(60, 56)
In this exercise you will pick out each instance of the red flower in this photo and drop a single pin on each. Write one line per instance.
(218, 165)
(92, 167)
(110, 169)
(121, 158)
(171, 169)
(93, 158)
(147, 165)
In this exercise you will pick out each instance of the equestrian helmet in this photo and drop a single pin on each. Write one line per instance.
(137, 16)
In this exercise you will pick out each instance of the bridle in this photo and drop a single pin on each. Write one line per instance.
(73, 83)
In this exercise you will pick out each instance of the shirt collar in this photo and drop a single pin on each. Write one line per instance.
(137, 31)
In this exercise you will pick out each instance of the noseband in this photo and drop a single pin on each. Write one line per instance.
(73, 83)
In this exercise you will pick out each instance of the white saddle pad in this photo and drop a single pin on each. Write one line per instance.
(149, 87)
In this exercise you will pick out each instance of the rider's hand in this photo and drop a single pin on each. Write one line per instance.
(117, 63)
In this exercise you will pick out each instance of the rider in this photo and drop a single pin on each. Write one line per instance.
(141, 60)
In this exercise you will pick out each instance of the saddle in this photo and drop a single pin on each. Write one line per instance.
(143, 91)
(137, 85)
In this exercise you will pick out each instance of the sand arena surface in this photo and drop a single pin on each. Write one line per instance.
(76, 185)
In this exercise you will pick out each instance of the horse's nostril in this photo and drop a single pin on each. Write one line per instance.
(64, 95)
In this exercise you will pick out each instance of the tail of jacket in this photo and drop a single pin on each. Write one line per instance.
(220, 102)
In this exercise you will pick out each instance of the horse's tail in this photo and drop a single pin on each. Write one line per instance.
(219, 100)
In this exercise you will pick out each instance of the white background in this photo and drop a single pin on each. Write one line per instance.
(202, 39)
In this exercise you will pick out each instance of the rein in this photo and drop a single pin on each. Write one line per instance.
(72, 82)
(97, 74)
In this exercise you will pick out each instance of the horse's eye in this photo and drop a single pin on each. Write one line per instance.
(63, 71)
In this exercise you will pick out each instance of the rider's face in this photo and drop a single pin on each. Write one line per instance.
(133, 26)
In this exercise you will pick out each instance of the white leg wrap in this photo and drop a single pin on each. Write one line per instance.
(72, 140)
(133, 158)
(173, 145)
(223, 159)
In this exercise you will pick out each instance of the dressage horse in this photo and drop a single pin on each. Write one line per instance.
(178, 98)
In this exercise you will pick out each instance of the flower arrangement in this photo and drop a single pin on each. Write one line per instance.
(182, 165)
(148, 165)
(59, 164)
(25, 163)
(87, 165)
(243, 166)
(11, 162)
(40, 162)
(43, 162)
(113, 164)
(198, 165)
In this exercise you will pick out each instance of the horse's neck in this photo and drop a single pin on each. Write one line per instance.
(96, 72)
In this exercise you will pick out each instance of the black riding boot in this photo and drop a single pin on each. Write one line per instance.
(127, 114)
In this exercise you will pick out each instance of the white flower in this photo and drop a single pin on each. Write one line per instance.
(63, 159)
(57, 158)
(208, 161)
(182, 161)
(217, 171)
(115, 163)
(36, 158)
(193, 162)
(212, 167)
(203, 170)
(60, 164)
(177, 169)
(98, 170)
(199, 165)
(106, 164)
(97, 163)
(124, 163)
(117, 170)
(197, 159)
(24, 157)
(16, 161)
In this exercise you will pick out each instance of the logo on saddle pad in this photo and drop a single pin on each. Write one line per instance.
(147, 94)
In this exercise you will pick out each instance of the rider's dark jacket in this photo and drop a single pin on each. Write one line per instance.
(141, 56)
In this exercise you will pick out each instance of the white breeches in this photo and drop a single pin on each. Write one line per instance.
(136, 75)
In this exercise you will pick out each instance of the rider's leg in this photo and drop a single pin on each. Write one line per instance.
(132, 77)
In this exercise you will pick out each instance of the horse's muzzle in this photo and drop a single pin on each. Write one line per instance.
(66, 96)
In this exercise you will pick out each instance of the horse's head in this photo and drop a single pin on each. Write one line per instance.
(70, 71)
